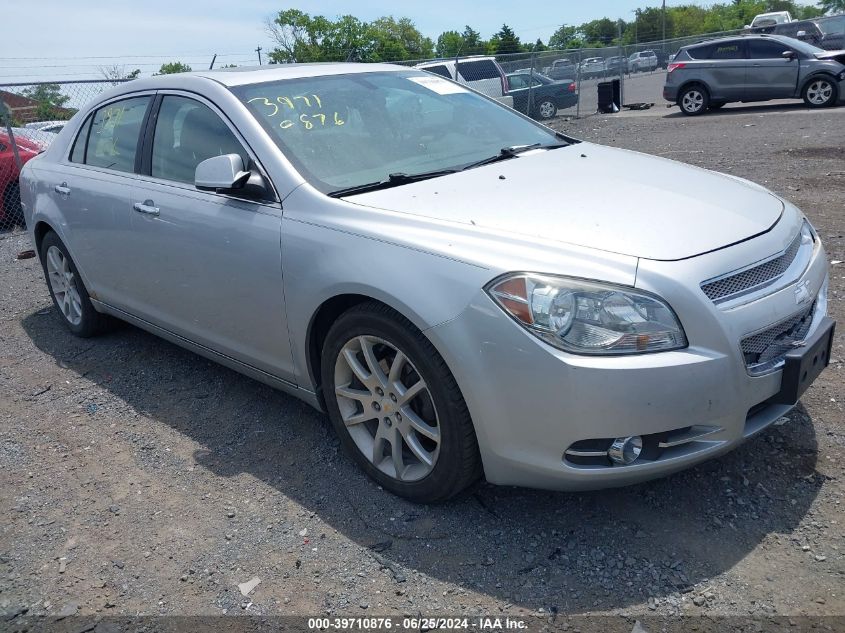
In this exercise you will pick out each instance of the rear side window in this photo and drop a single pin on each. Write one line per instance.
(480, 69)
(77, 154)
(726, 50)
(439, 70)
(698, 52)
(109, 139)
(766, 49)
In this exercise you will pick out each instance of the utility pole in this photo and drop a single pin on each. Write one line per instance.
(664, 23)
(258, 50)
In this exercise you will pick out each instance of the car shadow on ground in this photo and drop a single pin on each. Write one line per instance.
(747, 108)
(572, 552)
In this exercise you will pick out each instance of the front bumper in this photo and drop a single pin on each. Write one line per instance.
(530, 401)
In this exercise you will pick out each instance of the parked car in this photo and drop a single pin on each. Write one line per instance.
(561, 69)
(643, 61)
(458, 286)
(483, 74)
(10, 199)
(591, 68)
(753, 68)
(833, 32)
(40, 138)
(616, 65)
(47, 126)
(540, 96)
(768, 19)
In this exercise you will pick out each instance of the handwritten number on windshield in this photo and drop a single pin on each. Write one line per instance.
(306, 120)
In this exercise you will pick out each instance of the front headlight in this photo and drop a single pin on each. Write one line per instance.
(586, 317)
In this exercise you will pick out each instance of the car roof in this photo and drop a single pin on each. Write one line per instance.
(741, 38)
(243, 75)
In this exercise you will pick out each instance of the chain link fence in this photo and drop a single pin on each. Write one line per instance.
(31, 116)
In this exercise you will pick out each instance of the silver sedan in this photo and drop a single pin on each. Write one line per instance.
(450, 281)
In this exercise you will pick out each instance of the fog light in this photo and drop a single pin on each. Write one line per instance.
(625, 450)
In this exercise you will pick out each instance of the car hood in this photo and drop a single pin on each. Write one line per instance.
(838, 56)
(598, 197)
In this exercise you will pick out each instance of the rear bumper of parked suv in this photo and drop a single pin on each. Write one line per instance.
(542, 415)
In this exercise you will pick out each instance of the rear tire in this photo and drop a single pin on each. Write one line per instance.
(546, 109)
(396, 406)
(694, 100)
(820, 92)
(70, 297)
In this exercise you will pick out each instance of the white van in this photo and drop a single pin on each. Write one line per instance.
(479, 73)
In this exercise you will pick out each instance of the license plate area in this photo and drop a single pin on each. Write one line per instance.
(804, 364)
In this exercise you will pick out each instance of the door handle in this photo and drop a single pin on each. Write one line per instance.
(146, 207)
(62, 189)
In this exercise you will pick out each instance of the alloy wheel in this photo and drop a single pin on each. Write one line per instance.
(819, 92)
(547, 109)
(63, 285)
(387, 408)
(692, 101)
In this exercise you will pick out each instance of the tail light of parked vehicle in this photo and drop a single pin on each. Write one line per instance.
(674, 66)
(504, 85)
(571, 87)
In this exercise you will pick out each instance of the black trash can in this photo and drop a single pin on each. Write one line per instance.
(610, 96)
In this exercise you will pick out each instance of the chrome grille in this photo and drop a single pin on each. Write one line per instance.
(752, 278)
(764, 350)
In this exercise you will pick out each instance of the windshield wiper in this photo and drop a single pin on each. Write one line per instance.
(511, 151)
(393, 180)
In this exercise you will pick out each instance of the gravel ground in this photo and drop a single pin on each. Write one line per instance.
(138, 478)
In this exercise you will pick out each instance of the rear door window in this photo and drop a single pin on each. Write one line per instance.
(477, 70)
(727, 50)
(112, 137)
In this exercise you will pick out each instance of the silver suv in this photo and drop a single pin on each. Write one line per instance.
(753, 68)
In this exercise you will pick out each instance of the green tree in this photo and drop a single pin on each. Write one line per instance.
(539, 46)
(116, 73)
(506, 41)
(449, 44)
(473, 44)
(396, 40)
(601, 32)
(171, 68)
(50, 101)
(301, 37)
(832, 6)
(565, 37)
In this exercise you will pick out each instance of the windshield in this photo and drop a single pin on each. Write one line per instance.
(832, 25)
(343, 131)
(803, 47)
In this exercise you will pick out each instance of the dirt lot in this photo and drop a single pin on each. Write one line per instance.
(139, 478)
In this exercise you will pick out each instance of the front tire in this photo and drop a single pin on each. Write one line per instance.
(694, 100)
(67, 290)
(396, 406)
(820, 92)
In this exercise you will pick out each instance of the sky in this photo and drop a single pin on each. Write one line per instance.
(77, 38)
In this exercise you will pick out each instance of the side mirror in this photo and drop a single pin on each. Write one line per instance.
(221, 172)
(788, 54)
